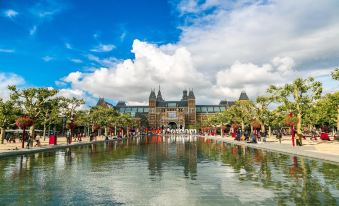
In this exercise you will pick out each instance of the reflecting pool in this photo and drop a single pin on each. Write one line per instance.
(182, 170)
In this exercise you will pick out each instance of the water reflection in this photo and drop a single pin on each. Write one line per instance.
(173, 170)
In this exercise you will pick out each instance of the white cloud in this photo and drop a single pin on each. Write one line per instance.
(224, 47)
(9, 79)
(10, 13)
(7, 50)
(103, 48)
(257, 32)
(77, 61)
(48, 58)
(68, 46)
(132, 80)
(33, 30)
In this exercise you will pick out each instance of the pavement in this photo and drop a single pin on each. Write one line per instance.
(12, 149)
(315, 149)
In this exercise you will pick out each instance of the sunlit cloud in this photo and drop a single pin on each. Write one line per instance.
(103, 48)
(7, 50)
(48, 58)
(10, 13)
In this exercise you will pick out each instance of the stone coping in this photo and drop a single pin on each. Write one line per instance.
(50, 148)
(281, 148)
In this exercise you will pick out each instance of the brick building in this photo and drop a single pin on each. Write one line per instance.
(184, 113)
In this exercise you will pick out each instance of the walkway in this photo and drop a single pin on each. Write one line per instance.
(323, 150)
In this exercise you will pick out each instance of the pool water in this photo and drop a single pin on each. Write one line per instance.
(176, 170)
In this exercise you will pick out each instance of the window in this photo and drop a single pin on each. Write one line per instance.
(128, 109)
(146, 109)
(171, 105)
(210, 109)
(198, 109)
(134, 109)
(140, 109)
(171, 115)
(222, 109)
(203, 109)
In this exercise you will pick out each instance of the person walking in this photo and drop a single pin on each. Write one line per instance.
(37, 140)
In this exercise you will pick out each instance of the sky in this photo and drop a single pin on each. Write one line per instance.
(122, 49)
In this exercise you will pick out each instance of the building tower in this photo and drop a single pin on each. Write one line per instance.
(191, 108)
(184, 95)
(152, 115)
(159, 96)
(243, 97)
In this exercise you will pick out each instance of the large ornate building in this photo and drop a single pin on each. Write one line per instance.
(184, 113)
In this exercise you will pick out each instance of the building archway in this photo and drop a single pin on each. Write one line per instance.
(172, 125)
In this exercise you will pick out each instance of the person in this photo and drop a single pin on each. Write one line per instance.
(28, 140)
(253, 138)
(247, 135)
(37, 140)
(279, 135)
(238, 134)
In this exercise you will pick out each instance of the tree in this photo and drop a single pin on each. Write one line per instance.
(297, 97)
(326, 110)
(68, 108)
(263, 114)
(32, 102)
(50, 113)
(335, 74)
(242, 112)
(8, 114)
(104, 116)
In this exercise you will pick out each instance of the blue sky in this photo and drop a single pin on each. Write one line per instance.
(122, 49)
(46, 35)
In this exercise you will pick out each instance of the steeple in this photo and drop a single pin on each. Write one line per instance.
(159, 96)
(243, 96)
(191, 95)
(152, 95)
(184, 95)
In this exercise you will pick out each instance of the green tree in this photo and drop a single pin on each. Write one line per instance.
(8, 114)
(104, 116)
(242, 112)
(68, 109)
(32, 102)
(335, 74)
(326, 110)
(263, 114)
(50, 113)
(297, 97)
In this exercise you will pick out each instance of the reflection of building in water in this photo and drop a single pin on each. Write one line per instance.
(187, 155)
(160, 113)
(157, 154)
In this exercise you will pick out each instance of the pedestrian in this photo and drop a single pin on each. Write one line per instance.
(37, 140)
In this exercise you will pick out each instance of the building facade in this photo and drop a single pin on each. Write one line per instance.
(184, 113)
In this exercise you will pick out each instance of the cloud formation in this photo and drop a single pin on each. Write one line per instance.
(10, 13)
(103, 48)
(9, 79)
(224, 47)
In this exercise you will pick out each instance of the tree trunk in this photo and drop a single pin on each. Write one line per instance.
(242, 126)
(269, 131)
(44, 132)
(32, 133)
(106, 131)
(221, 132)
(338, 119)
(115, 129)
(262, 128)
(127, 132)
(2, 134)
(23, 138)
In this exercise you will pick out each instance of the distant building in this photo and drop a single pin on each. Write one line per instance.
(172, 114)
